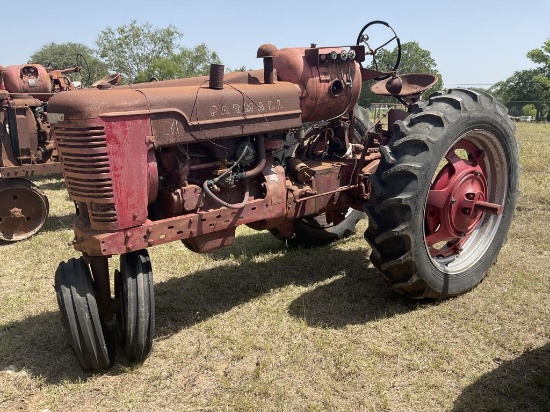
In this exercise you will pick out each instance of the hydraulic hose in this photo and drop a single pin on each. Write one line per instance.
(260, 147)
(223, 203)
(261, 164)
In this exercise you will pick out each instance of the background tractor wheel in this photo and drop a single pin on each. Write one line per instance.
(444, 195)
(23, 209)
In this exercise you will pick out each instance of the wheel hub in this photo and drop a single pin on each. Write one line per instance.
(461, 215)
(456, 202)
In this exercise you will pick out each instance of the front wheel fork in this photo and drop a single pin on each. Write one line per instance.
(107, 305)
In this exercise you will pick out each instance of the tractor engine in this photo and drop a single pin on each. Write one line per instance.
(213, 149)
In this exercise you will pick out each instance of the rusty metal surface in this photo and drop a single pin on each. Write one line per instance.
(404, 85)
(105, 166)
(25, 139)
(31, 170)
(328, 90)
(172, 145)
(27, 78)
(182, 114)
(110, 79)
(279, 205)
(168, 230)
(23, 209)
(216, 76)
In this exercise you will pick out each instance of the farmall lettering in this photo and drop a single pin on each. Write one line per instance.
(285, 149)
(246, 108)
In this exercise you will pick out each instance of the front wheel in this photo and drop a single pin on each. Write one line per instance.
(135, 290)
(87, 334)
(444, 195)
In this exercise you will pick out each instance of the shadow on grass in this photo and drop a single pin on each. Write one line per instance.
(58, 222)
(37, 345)
(522, 384)
(356, 294)
(358, 297)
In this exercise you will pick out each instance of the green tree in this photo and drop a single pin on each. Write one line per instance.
(542, 57)
(132, 50)
(522, 88)
(187, 62)
(529, 110)
(59, 56)
(234, 70)
(414, 59)
(527, 87)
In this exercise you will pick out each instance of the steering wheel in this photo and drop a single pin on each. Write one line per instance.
(373, 51)
(84, 68)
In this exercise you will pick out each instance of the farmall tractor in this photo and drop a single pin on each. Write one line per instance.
(284, 149)
(27, 146)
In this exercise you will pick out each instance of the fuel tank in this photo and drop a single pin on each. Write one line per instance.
(328, 77)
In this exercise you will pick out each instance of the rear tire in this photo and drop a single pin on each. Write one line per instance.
(315, 231)
(443, 195)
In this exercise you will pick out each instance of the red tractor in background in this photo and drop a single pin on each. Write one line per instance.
(27, 145)
(284, 149)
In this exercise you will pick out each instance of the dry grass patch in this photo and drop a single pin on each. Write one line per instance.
(258, 327)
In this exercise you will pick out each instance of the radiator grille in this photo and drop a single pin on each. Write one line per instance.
(87, 169)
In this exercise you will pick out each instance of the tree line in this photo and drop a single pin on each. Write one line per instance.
(527, 92)
(141, 52)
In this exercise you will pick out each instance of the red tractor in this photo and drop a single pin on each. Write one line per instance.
(27, 146)
(285, 149)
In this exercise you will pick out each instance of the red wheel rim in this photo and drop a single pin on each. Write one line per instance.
(458, 200)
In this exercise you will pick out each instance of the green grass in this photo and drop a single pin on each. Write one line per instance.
(258, 327)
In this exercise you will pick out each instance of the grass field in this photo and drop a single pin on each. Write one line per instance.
(258, 327)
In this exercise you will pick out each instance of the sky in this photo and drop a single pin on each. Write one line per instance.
(473, 42)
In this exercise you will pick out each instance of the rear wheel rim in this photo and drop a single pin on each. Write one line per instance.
(465, 202)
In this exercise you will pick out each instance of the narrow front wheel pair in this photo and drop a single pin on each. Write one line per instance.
(91, 337)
